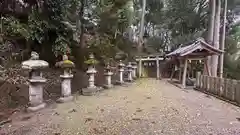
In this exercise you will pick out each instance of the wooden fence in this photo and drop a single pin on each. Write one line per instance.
(227, 89)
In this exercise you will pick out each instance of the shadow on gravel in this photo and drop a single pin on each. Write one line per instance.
(238, 119)
(207, 96)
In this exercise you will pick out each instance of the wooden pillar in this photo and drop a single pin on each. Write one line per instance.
(206, 70)
(180, 70)
(184, 73)
(158, 72)
(198, 76)
(204, 67)
(172, 73)
(140, 68)
(238, 92)
(173, 69)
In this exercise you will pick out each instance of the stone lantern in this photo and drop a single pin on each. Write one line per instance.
(108, 74)
(36, 81)
(134, 71)
(129, 72)
(66, 92)
(121, 70)
(91, 89)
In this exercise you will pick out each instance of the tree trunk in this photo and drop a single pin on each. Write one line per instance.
(130, 18)
(212, 5)
(1, 28)
(164, 4)
(140, 42)
(153, 32)
(222, 47)
(216, 38)
(78, 51)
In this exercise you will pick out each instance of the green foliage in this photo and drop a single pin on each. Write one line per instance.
(32, 29)
(13, 28)
(43, 25)
(183, 39)
(36, 27)
(55, 25)
(155, 12)
(187, 17)
(60, 24)
(232, 58)
(155, 42)
(120, 56)
(114, 16)
(91, 61)
(101, 46)
(61, 46)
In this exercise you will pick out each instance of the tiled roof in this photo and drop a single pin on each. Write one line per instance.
(198, 44)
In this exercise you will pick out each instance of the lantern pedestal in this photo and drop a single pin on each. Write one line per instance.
(120, 81)
(91, 89)
(134, 71)
(108, 84)
(129, 72)
(121, 70)
(66, 89)
(36, 94)
(36, 81)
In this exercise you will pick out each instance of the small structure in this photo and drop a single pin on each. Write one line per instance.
(36, 81)
(129, 72)
(121, 70)
(151, 60)
(91, 89)
(108, 74)
(66, 92)
(196, 50)
(134, 71)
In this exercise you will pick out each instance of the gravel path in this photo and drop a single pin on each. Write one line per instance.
(147, 107)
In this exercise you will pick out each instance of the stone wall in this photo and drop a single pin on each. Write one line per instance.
(227, 89)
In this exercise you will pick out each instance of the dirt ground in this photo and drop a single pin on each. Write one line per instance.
(146, 107)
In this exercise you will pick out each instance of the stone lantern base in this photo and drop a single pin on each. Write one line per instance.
(107, 86)
(65, 99)
(124, 84)
(108, 77)
(36, 108)
(90, 91)
(120, 82)
(130, 81)
(66, 89)
(121, 74)
(36, 94)
(129, 78)
(134, 76)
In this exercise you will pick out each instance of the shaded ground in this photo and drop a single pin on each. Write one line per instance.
(14, 90)
(147, 107)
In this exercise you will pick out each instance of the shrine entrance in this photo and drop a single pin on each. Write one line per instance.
(149, 66)
(184, 58)
(149, 69)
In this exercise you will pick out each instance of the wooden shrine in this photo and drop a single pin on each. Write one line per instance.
(150, 58)
(196, 50)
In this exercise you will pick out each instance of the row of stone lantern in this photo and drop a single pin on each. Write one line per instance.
(92, 88)
(36, 80)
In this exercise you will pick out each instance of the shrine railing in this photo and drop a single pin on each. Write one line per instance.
(227, 89)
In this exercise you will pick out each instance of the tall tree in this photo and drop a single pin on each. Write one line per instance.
(212, 9)
(222, 47)
(140, 42)
(216, 37)
(130, 15)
